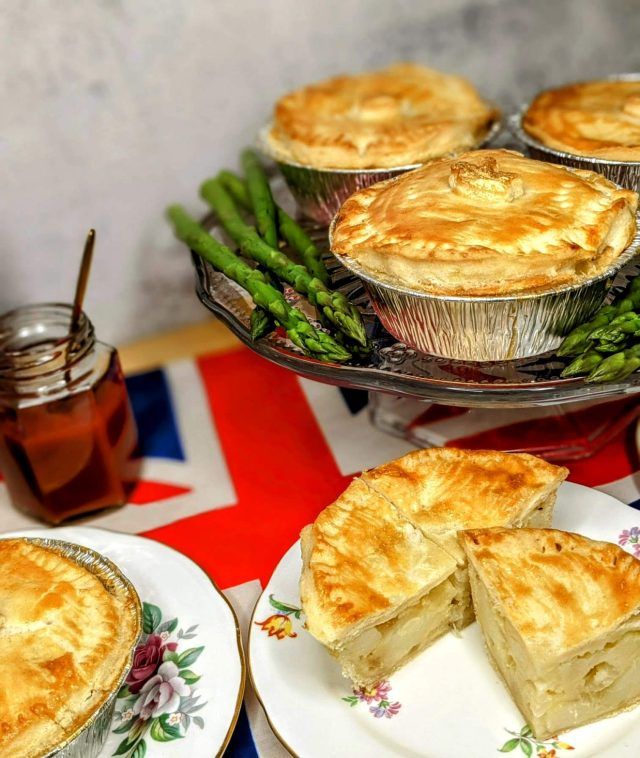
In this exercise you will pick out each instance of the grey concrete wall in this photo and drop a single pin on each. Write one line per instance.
(110, 109)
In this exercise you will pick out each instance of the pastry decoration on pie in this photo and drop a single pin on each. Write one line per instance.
(560, 615)
(487, 223)
(383, 573)
(65, 639)
(401, 115)
(598, 119)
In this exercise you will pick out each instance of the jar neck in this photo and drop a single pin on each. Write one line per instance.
(38, 353)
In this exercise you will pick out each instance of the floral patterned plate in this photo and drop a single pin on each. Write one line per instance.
(184, 693)
(447, 703)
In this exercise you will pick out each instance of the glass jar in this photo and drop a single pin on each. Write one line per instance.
(67, 433)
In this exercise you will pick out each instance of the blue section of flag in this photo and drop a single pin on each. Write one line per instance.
(635, 504)
(153, 409)
(241, 744)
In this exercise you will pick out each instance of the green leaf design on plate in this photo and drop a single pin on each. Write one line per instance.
(284, 608)
(125, 726)
(510, 745)
(162, 731)
(189, 676)
(352, 700)
(171, 655)
(526, 747)
(140, 751)
(189, 656)
(526, 731)
(123, 691)
(199, 721)
(167, 626)
(151, 617)
(126, 745)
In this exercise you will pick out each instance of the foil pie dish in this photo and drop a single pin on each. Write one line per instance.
(486, 329)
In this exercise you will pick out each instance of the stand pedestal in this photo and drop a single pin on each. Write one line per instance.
(556, 432)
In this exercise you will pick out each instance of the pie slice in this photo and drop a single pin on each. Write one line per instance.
(374, 589)
(383, 572)
(444, 490)
(560, 615)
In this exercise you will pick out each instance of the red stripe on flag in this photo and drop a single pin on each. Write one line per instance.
(282, 470)
(146, 492)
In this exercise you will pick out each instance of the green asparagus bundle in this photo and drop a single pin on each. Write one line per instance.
(332, 305)
(298, 328)
(288, 228)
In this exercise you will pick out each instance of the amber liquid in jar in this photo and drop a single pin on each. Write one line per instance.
(69, 451)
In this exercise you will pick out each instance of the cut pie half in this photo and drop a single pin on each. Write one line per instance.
(383, 572)
(560, 615)
(374, 589)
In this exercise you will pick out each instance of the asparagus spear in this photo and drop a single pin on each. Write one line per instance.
(617, 366)
(583, 364)
(332, 305)
(262, 322)
(299, 330)
(289, 229)
(264, 209)
(578, 340)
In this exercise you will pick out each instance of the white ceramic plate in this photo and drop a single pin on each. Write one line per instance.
(183, 608)
(447, 703)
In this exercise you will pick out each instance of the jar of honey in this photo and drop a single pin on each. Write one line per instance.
(67, 433)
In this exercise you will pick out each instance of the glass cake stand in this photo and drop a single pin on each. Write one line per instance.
(412, 393)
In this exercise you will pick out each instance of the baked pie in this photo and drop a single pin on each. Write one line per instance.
(486, 223)
(401, 115)
(383, 573)
(65, 639)
(560, 615)
(598, 119)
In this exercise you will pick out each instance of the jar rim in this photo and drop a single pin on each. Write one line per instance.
(15, 325)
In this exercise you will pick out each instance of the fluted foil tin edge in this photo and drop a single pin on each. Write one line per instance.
(486, 329)
(88, 740)
(319, 193)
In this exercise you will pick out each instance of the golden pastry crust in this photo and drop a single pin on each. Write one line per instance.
(558, 589)
(64, 641)
(361, 562)
(487, 223)
(398, 116)
(445, 489)
(598, 119)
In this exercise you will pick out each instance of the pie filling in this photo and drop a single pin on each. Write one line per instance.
(600, 681)
(378, 651)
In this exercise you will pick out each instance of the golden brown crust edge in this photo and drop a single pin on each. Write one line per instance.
(487, 223)
(597, 119)
(394, 117)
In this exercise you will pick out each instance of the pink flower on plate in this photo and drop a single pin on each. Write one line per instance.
(161, 694)
(146, 660)
(377, 692)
